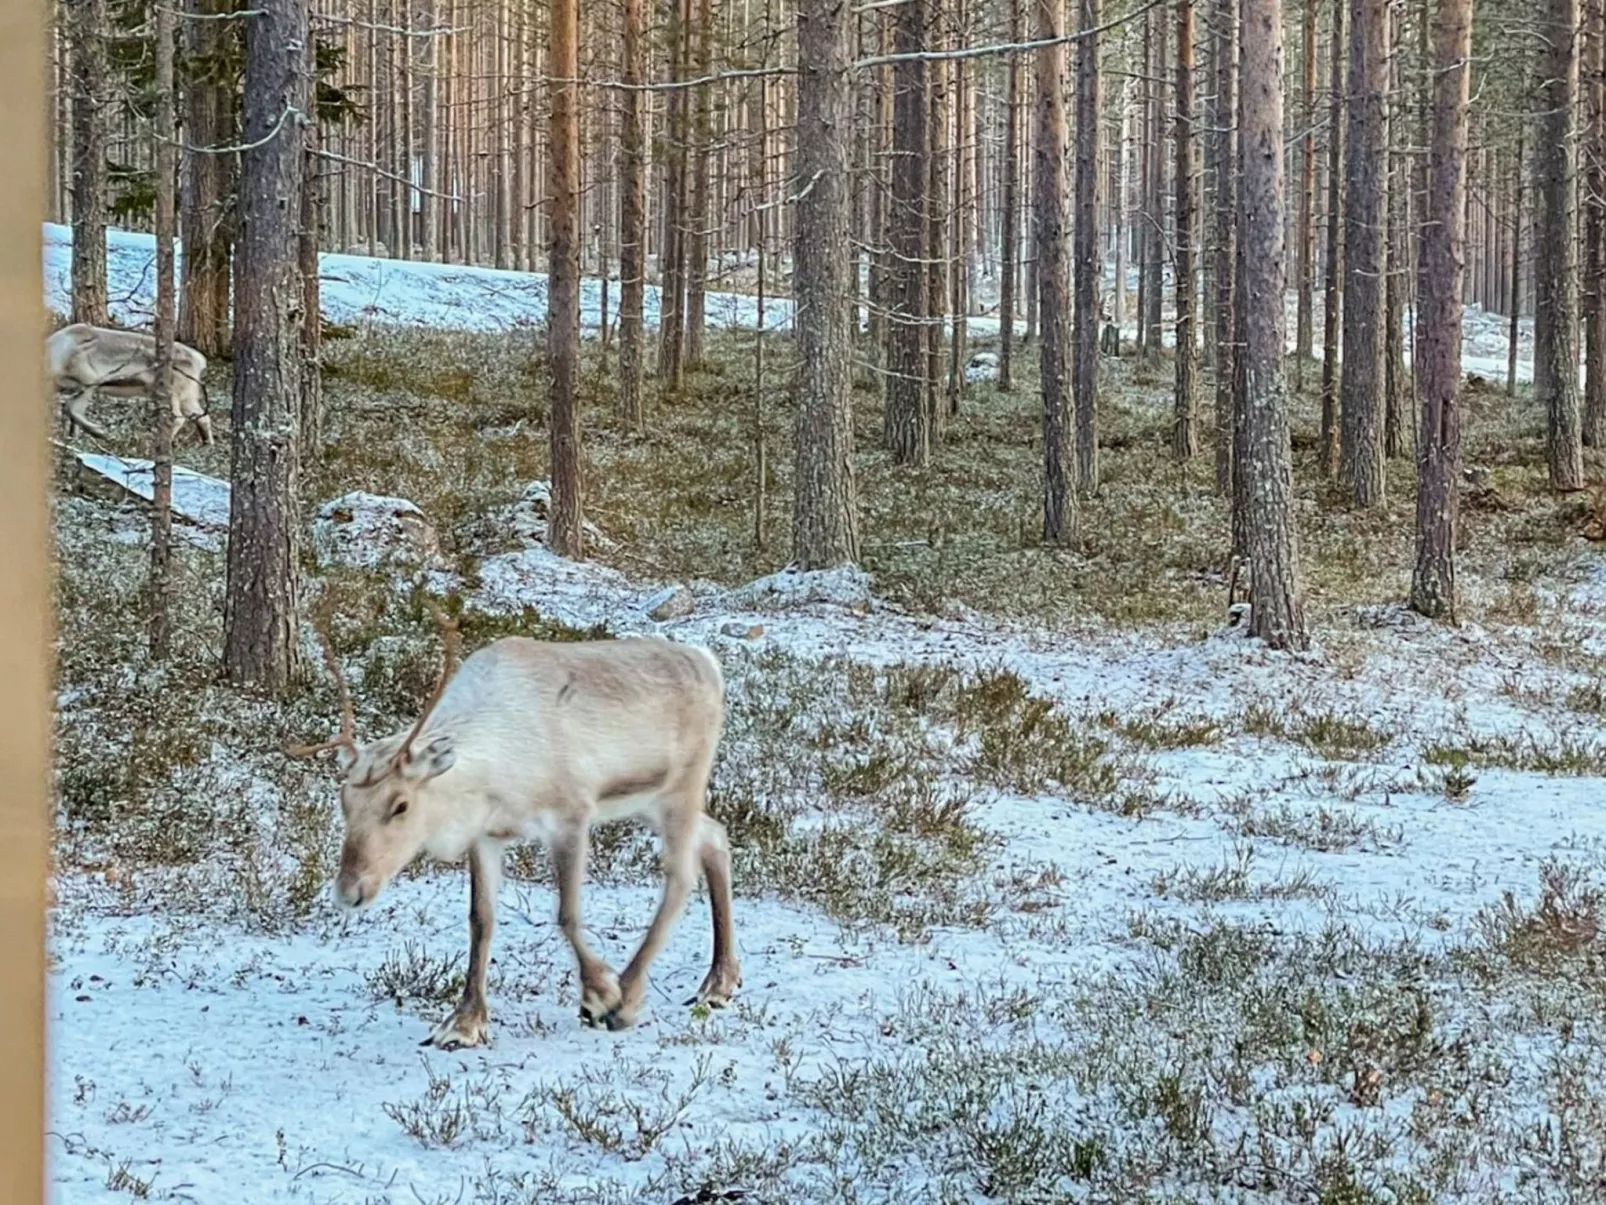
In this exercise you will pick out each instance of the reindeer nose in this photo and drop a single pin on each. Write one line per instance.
(351, 892)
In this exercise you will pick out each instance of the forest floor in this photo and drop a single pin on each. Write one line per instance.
(1050, 884)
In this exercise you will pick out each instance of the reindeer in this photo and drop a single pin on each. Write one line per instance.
(538, 740)
(81, 359)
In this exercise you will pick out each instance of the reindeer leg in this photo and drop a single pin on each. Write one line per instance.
(469, 1023)
(599, 986)
(680, 838)
(725, 974)
(78, 413)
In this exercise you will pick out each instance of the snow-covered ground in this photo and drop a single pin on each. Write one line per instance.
(212, 1062)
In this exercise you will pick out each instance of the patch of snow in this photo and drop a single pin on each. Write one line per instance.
(200, 503)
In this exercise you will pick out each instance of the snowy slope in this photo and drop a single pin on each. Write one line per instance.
(359, 288)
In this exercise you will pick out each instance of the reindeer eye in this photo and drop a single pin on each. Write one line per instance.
(398, 806)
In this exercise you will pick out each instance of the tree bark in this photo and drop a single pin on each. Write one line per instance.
(1594, 200)
(1438, 335)
(1555, 279)
(1304, 326)
(1153, 330)
(1396, 258)
(698, 215)
(1277, 615)
(566, 533)
(1048, 219)
(1010, 265)
(1085, 333)
(260, 645)
(1361, 393)
(824, 523)
(907, 432)
(937, 205)
(1224, 154)
(672, 253)
(206, 219)
(161, 569)
(1514, 316)
(91, 115)
(632, 220)
(307, 240)
(1184, 432)
(1332, 293)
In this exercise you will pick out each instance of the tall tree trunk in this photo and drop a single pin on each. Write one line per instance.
(1223, 237)
(1145, 224)
(1397, 263)
(566, 534)
(699, 211)
(310, 220)
(429, 169)
(632, 219)
(1594, 200)
(1514, 316)
(91, 115)
(907, 432)
(1153, 330)
(937, 207)
(260, 632)
(206, 218)
(879, 186)
(1332, 293)
(1010, 265)
(824, 522)
(1184, 433)
(1048, 218)
(161, 571)
(1304, 326)
(958, 252)
(672, 255)
(1085, 346)
(1438, 339)
(1277, 615)
(1361, 393)
(1555, 279)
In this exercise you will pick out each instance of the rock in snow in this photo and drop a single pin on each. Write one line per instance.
(367, 531)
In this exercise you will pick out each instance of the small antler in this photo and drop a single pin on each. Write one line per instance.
(453, 643)
(348, 716)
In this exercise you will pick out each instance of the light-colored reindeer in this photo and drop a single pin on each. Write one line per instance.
(82, 359)
(538, 740)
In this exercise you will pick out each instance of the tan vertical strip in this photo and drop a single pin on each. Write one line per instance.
(25, 628)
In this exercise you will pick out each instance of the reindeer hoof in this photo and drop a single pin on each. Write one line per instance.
(460, 1031)
(599, 999)
(619, 1018)
(718, 988)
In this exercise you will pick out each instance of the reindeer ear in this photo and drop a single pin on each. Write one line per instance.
(432, 760)
(345, 759)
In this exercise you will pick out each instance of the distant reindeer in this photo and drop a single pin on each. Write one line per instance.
(540, 740)
(82, 359)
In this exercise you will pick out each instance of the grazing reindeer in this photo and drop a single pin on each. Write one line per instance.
(533, 739)
(81, 359)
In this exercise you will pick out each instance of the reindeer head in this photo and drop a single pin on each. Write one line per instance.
(388, 819)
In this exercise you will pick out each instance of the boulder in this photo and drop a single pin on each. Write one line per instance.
(672, 602)
(844, 586)
(369, 531)
(983, 366)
